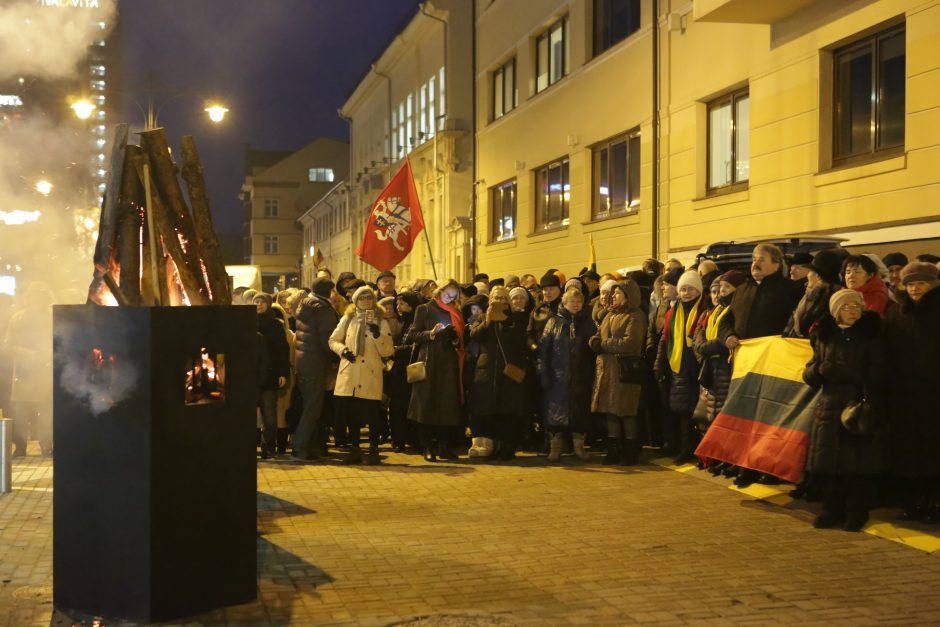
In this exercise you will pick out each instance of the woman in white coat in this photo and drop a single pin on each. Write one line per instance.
(362, 339)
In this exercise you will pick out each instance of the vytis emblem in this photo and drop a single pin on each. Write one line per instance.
(391, 220)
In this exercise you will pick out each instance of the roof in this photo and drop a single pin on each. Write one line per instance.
(255, 158)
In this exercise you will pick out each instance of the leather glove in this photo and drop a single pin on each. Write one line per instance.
(374, 329)
(594, 343)
(349, 355)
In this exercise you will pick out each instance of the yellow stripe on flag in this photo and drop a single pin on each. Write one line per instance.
(773, 356)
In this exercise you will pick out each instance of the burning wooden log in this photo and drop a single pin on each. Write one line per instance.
(175, 215)
(208, 243)
(129, 229)
(107, 223)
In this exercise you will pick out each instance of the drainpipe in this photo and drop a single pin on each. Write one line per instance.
(388, 82)
(473, 153)
(655, 193)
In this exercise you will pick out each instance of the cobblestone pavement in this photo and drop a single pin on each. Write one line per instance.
(522, 543)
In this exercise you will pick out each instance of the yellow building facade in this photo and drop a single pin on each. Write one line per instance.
(774, 118)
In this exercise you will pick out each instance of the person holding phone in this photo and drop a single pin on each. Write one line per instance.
(437, 401)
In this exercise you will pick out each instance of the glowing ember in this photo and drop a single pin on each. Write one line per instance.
(205, 379)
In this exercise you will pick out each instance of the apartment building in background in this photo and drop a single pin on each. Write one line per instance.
(279, 187)
(711, 120)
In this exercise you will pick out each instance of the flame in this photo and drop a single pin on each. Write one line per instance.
(205, 380)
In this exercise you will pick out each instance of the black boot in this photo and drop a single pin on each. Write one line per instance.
(444, 452)
(283, 433)
(429, 455)
(613, 452)
(355, 456)
(746, 477)
(631, 453)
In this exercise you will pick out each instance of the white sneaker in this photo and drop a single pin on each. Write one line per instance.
(475, 449)
(486, 447)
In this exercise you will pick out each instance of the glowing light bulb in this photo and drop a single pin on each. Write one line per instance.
(216, 112)
(83, 109)
(44, 187)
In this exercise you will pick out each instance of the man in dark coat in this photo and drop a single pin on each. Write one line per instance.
(760, 307)
(314, 362)
(551, 298)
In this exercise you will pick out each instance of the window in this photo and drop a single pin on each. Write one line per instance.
(551, 55)
(270, 207)
(614, 20)
(270, 244)
(729, 140)
(410, 136)
(442, 101)
(552, 193)
(503, 202)
(401, 130)
(320, 175)
(432, 114)
(505, 96)
(869, 96)
(617, 176)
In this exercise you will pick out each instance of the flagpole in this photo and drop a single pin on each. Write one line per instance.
(427, 240)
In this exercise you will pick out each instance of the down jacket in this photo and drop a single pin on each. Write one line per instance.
(683, 385)
(622, 332)
(316, 320)
(848, 364)
(361, 378)
(493, 392)
(912, 334)
(715, 374)
(566, 369)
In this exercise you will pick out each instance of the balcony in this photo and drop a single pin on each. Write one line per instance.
(747, 11)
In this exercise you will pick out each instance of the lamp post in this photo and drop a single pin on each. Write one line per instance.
(84, 109)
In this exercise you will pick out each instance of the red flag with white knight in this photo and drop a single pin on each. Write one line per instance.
(394, 223)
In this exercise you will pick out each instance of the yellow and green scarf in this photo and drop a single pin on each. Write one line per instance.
(711, 326)
(680, 327)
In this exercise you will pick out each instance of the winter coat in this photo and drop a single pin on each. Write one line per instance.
(493, 392)
(566, 369)
(655, 331)
(316, 320)
(714, 370)
(622, 333)
(876, 296)
(760, 309)
(812, 309)
(539, 319)
(848, 364)
(275, 357)
(361, 378)
(912, 335)
(682, 388)
(437, 400)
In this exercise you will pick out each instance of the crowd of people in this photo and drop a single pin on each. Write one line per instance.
(615, 363)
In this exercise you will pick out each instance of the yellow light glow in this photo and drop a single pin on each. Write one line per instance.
(83, 109)
(44, 187)
(216, 112)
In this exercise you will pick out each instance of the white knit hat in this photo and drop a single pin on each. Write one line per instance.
(608, 285)
(690, 277)
(362, 291)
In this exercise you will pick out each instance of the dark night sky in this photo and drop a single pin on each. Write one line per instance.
(283, 67)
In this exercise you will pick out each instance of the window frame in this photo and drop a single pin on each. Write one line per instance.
(497, 209)
(598, 46)
(499, 77)
(542, 205)
(270, 208)
(562, 23)
(271, 245)
(730, 99)
(633, 197)
(872, 41)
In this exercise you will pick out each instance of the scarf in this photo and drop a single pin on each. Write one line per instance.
(711, 325)
(680, 326)
(875, 293)
(362, 317)
(456, 319)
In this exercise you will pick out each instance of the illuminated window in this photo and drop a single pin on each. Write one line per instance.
(616, 176)
(505, 95)
(503, 204)
(552, 195)
(551, 55)
(729, 141)
(320, 175)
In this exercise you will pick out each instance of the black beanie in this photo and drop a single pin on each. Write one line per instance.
(323, 287)
(550, 279)
(672, 277)
(895, 259)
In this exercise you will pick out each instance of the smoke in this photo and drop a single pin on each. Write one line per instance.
(100, 376)
(48, 38)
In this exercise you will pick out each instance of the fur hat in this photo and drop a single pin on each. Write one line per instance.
(323, 287)
(672, 277)
(690, 277)
(733, 277)
(518, 290)
(919, 271)
(361, 291)
(895, 259)
(574, 284)
(828, 264)
(263, 296)
(550, 279)
(844, 297)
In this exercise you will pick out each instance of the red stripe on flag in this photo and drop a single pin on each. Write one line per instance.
(777, 451)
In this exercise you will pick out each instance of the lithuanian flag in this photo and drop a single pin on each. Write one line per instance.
(765, 421)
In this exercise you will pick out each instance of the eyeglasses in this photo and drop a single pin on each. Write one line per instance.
(850, 307)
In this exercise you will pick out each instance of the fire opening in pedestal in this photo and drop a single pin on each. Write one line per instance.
(205, 378)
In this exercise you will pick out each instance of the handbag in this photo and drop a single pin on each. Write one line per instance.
(858, 417)
(631, 369)
(512, 371)
(416, 371)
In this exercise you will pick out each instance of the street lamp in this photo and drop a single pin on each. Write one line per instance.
(44, 187)
(83, 108)
(216, 112)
